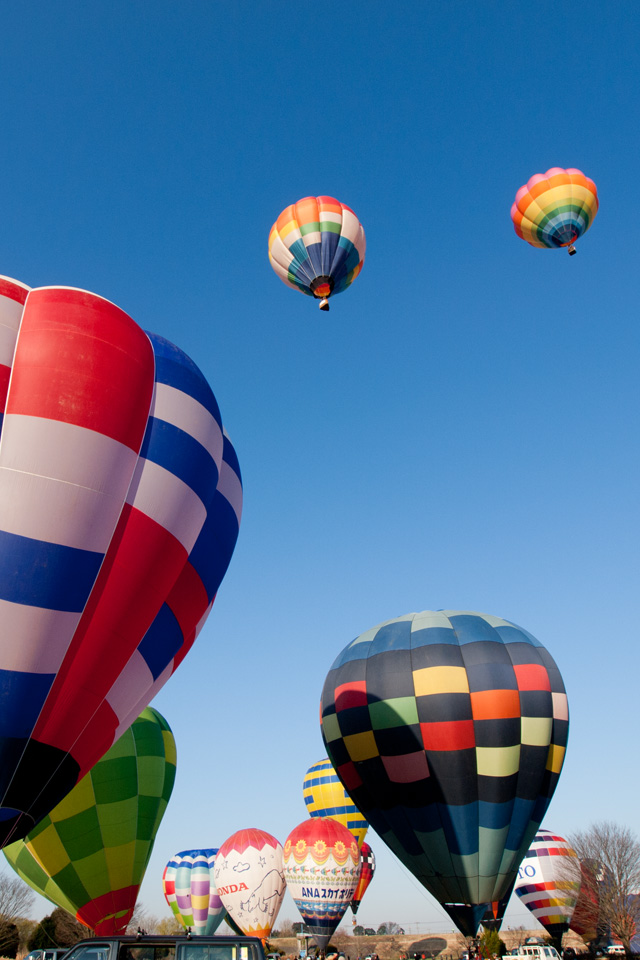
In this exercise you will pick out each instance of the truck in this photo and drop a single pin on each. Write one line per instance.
(534, 951)
(183, 947)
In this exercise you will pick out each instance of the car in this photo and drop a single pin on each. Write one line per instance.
(143, 947)
(52, 953)
(615, 949)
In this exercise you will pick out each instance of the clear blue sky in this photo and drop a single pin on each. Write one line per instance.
(460, 431)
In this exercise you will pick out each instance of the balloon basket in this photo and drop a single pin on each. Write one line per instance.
(324, 303)
(571, 249)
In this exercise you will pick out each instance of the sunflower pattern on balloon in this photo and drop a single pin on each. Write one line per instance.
(321, 867)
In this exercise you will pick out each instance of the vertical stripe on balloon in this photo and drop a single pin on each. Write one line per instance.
(176, 475)
(57, 512)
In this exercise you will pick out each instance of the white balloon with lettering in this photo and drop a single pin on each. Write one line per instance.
(250, 880)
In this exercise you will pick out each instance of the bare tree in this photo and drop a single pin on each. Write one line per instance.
(141, 919)
(514, 936)
(609, 863)
(16, 898)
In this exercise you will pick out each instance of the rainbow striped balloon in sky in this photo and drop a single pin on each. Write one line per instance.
(555, 208)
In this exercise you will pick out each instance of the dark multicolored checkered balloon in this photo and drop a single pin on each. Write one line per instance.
(448, 730)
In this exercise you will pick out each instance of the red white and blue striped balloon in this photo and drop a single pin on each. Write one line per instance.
(120, 502)
(191, 892)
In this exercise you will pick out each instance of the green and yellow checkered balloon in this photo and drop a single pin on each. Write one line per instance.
(90, 854)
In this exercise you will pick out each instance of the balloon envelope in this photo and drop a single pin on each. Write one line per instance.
(248, 875)
(448, 730)
(586, 920)
(190, 890)
(367, 870)
(555, 208)
(317, 246)
(119, 509)
(325, 796)
(90, 854)
(494, 914)
(321, 867)
(549, 882)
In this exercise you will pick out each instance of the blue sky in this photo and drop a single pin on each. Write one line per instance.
(459, 431)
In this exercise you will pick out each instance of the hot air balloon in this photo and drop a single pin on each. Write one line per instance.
(120, 502)
(248, 875)
(448, 730)
(555, 208)
(90, 854)
(321, 867)
(190, 890)
(367, 870)
(587, 920)
(325, 796)
(317, 245)
(549, 882)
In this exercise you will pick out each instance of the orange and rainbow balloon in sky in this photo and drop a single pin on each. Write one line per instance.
(555, 208)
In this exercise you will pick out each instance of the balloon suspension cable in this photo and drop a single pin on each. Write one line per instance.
(324, 303)
(571, 249)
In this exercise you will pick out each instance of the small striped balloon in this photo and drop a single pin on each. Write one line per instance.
(325, 796)
(555, 208)
(549, 881)
(191, 892)
(317, 246)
